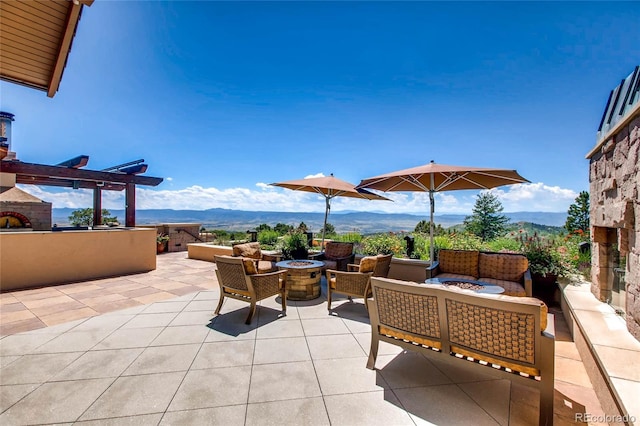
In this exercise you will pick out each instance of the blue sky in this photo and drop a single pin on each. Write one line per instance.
(223, 98)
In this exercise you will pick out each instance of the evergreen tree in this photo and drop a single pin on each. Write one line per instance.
(330, 230)
(423, 228)
(486, 222)
(282, 228)
(578, 214)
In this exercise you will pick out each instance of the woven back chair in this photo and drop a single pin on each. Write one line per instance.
(353, 284)
(336, 255)
(235, 282)
(383, 265)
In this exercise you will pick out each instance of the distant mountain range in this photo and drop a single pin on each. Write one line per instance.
(363, 222)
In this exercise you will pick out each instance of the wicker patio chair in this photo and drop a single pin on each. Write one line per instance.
(238, 279)
(383, 265)
(353, 284)
(336, 255)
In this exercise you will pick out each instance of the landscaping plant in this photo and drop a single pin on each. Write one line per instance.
(543, 255)
(388, 243)
(294, 245)
(268, 238)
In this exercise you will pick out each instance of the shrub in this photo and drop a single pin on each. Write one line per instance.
(268, 237)
(543, 255)
(294, 246)
(349, 237)
(422, 245)
(503, 244)
(282, 228)
(464, 241)
(389, 243)
(579, 262)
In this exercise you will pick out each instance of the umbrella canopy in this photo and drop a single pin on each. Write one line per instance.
(329, 187)
(434, 178)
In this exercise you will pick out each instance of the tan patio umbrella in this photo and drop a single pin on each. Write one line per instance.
(434, 178)
(329, 187)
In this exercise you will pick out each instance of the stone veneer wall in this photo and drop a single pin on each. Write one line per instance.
(180, 234)
(614, 176)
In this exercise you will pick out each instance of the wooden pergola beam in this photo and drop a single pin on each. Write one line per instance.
(57, 172)
(68, 183)
(70, 177)
(97, 207)
(130, 205)
(75, 162)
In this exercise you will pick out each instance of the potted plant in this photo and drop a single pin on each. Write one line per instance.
(295, 246)
(162, 240)
(545, 261)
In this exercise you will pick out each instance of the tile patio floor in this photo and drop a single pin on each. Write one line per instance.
(166, 359)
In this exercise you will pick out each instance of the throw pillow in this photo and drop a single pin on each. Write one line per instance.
(251, 250)
(506, 267)
(462, 262)
(250, 267)
(368, 263)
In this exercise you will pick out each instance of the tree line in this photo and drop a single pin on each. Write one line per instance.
(486, 221)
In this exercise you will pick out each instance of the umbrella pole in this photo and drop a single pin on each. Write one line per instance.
(324, 227)
(431, 248)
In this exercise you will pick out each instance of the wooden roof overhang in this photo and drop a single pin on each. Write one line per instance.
(71, 176)
(35, 40)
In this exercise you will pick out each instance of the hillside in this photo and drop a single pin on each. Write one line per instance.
(363, 222)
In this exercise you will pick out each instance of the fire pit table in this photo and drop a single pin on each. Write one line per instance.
(476, 286)
(303, 278)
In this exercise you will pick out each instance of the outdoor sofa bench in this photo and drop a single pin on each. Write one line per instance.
(507, 270)
(505, 336)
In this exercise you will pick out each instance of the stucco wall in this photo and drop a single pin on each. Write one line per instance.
(31, 259)
(614, 176)
(202, 251)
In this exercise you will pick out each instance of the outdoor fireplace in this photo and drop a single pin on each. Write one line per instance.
(614, 177)
(12, 220)
(20, 211)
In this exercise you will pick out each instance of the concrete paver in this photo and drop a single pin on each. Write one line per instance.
(172, 361)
